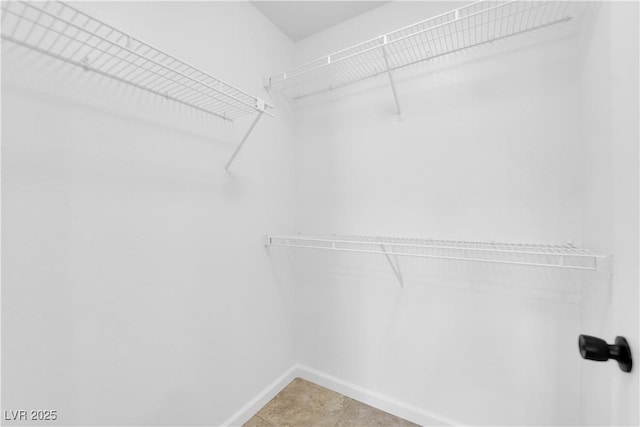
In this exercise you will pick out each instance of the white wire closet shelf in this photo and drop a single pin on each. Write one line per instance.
(567, 256)
(478, 23)
(59, 30)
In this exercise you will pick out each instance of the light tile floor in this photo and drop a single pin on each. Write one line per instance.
(305, 404)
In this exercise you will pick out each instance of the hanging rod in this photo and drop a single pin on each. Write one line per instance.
(567, 256)
(61, 31)
(473, 25)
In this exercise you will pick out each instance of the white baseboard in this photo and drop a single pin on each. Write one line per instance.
(377, 400)
(247, 411)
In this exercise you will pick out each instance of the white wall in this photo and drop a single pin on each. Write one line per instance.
(489, 148)
(135, 288)
(610, 125)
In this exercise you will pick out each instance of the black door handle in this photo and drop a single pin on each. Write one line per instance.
(593, 348)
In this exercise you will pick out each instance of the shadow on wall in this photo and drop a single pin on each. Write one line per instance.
(449, 71)
(89, 91)
(514, 281)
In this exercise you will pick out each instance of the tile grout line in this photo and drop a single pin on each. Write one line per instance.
(344, 411)
(266, 421)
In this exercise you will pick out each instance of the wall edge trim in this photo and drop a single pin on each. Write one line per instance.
(377, 400)
(353, 391)
(248, 410)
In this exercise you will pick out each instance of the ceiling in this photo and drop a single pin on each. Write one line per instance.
(300, 19)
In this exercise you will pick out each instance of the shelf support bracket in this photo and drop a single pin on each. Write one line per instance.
(244, 139)
(395, 267)
(393, 83)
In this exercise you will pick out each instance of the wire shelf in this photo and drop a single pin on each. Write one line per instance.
(472, 25)
(61, 31)
(567, 256)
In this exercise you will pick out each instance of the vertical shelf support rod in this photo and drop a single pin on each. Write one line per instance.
(395, 268)
(244, 139)
(393, 83)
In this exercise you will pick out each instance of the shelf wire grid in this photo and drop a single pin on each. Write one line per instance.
(567, 255)
(472, 25)
(61, 31)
